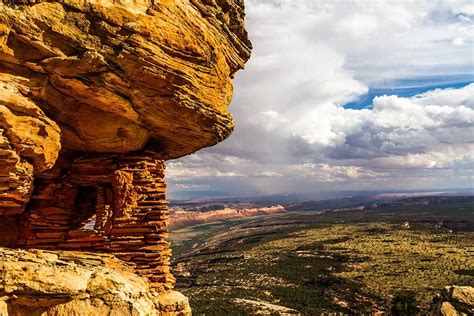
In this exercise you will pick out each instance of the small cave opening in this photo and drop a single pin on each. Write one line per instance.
(85, 208)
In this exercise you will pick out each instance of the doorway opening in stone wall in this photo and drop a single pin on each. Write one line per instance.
(86, 208)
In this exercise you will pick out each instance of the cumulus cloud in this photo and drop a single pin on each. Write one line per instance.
(401, 126)
(310, 58)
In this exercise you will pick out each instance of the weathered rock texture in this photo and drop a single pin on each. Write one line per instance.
(117, 74)
(41, 282)
(94, 96)
(29, 141)
(455, 301)
(107, 203)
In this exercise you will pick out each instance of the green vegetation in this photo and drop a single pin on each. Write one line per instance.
(349, 261)
(469, 272)
(404, 304)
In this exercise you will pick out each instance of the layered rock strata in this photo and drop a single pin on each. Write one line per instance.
(116, 75)
(29, 142)
(113, 203)
(94, 97)
(180, 218)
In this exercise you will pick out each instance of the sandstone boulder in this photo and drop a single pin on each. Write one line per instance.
(455, 301)
(447, 309)
(462, 297)
(40, 282)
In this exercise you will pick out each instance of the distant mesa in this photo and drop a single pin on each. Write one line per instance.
(180, 218)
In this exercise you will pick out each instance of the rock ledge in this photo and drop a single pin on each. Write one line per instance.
(39, 282)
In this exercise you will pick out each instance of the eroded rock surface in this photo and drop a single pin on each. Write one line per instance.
(455, 301)
(118, 75)
(94, 96)
(38, 282)
(29, 143)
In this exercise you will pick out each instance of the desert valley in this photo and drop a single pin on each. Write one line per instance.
(357, 255)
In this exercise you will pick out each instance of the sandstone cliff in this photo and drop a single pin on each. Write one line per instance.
(115, 74)
(94, 96)
(180, 218)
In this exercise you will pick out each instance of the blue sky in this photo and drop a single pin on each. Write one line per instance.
(346, 95)
(409, 88)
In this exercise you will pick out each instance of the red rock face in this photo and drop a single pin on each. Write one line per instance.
(185, 218)
(94, 95)
(112, 204)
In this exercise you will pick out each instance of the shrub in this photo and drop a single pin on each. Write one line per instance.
(405, 304)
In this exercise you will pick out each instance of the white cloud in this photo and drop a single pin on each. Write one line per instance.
(268, 174)
(179, 171)
(184, 186)
(458, 41)
(331, 173)
(312, 57)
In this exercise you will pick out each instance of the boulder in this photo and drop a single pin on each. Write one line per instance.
(447, 309)
(37, 282)
(461, 297)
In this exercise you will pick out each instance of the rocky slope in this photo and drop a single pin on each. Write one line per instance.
(40, 282)
(94, 96)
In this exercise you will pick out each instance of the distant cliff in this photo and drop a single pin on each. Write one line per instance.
(179, 218)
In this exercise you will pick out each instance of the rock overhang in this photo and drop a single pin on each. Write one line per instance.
(94, 96)
(118, 76)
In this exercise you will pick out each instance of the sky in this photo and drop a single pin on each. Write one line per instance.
(346, 95)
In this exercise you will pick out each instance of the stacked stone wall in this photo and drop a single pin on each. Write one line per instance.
(112, 204)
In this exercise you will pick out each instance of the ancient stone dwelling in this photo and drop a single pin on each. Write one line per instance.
(114, 204)
(94, 97)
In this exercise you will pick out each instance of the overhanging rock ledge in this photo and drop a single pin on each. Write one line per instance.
(94, 97)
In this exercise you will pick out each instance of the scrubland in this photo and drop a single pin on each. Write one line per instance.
(352, 261)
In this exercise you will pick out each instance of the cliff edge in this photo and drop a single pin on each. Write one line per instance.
(94, 96)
